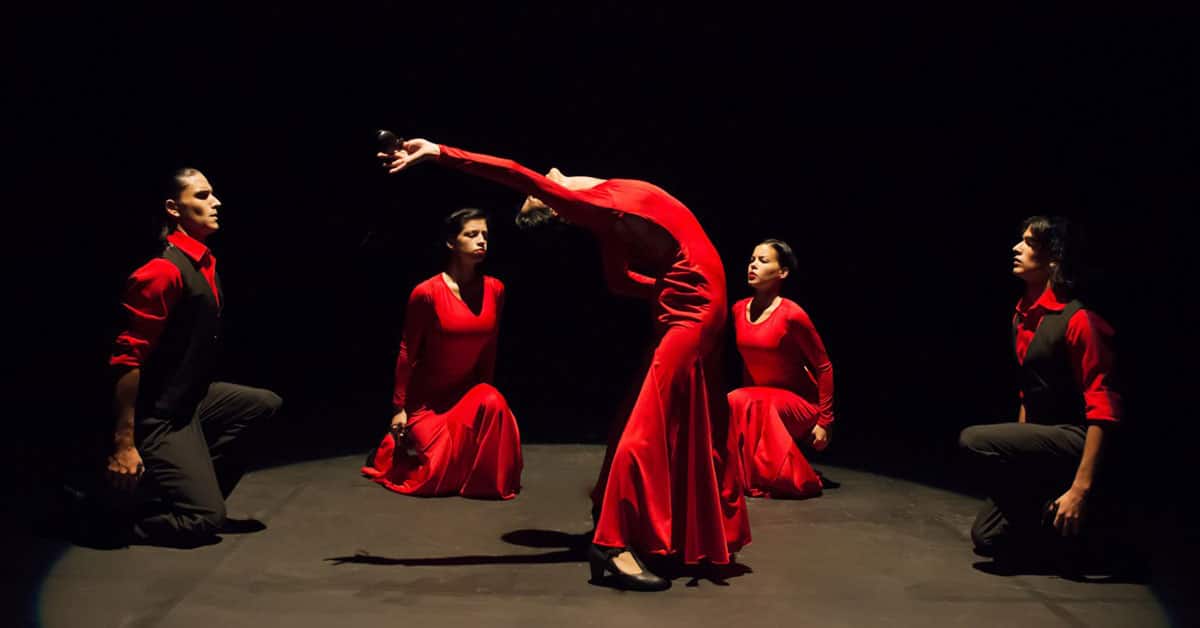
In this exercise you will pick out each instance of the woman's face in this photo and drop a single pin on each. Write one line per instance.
(472, 240)
(764, 270)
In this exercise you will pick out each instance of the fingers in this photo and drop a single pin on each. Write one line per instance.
(402, 160)
(1067, 523)
(1072, 524)
(122, 480)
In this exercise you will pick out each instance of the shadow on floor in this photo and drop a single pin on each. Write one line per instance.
(574, 550)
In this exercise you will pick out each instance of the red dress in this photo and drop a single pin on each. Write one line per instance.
(669, 484)
(464, 435)
(789, 389)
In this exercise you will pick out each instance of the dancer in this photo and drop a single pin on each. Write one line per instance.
(462, 434)
(669, 485)
(175, 442)
(788, 397)
(1042, 469)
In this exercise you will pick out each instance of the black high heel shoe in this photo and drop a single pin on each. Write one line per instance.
(601, 560)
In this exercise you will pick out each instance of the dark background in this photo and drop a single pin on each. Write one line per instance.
(897, 155)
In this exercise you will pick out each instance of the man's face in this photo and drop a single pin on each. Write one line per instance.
(1028, 264)
(472, 240)
(195, 211)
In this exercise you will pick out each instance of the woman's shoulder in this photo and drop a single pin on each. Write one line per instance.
(425, 288)
(493, 284)
(794, 313)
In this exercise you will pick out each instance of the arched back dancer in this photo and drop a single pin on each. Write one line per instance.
(669, 484)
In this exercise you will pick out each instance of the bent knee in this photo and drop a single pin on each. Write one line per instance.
(270, 402)
(489, 398)
(969, 438)
(977, 439)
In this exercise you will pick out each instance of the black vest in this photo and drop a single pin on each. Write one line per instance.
(176, 375)
(1051, 393)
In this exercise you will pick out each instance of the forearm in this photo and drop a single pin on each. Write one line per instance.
(620, 279)
(575, 205)
(631, 284)
(825, 395)
(124, 403)
(404, 370)
(1093, 448)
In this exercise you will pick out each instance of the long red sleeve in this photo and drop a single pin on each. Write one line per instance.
(150, 293)
(418, 320)
(1089, 349)
(585, 207)
(1092, 360)
(623, 280)
(802, 334)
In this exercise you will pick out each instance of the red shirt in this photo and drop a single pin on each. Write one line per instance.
(447, 348)
(785, 351)
(1088, 345)
(150, 293)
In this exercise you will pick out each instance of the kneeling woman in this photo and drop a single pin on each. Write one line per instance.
(788, 394)
(454, 430)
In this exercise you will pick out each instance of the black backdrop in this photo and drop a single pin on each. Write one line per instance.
(897, 155)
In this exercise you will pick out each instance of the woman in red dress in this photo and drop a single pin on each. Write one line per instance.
(454, 430)
(788, 394)
(669, 484)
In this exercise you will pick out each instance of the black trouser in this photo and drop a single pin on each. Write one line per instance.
(1023, 467)
(192, 465)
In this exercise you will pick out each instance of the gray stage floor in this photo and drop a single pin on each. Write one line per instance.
(341, 551)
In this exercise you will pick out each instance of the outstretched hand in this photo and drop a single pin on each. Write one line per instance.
(411, 152)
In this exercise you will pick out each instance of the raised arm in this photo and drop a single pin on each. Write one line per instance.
(580, 206)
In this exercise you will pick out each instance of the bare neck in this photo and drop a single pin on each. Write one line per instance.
(765, 296)
(1034, 290)
(463, 272)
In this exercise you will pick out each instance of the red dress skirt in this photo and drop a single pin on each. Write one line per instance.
(670, 482)
(789, 390)
(462, 438)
